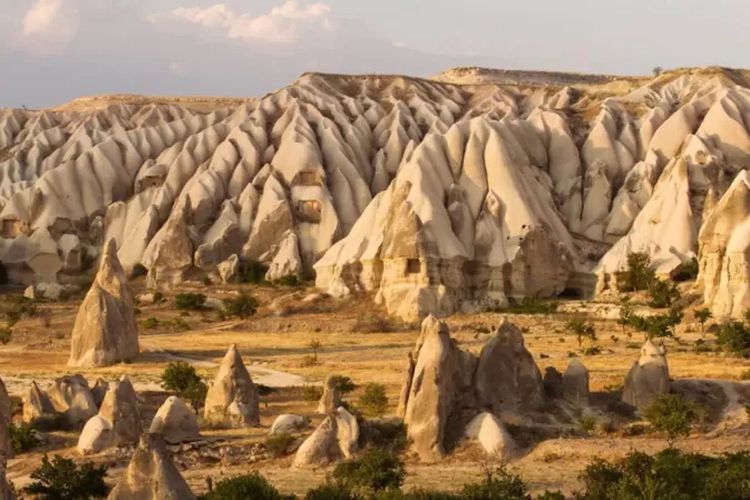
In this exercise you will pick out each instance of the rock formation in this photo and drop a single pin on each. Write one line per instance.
(36, 405)
(105, 330)
(71, 398)
(336, 437)
(492, 436)
(5, 491)
(229, 269)
(6, 417)
(648, 378)
(575, 384)
(433, 195)
(442, 375)
(118, 422)
(330, 399)
(99, 390)
(287, 424)
(232, 398)
(175, 421)
(151, 474)
(507, 378)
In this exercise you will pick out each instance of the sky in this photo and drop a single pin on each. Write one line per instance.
(52, 51)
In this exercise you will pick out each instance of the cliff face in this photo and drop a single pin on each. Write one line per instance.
(436, 195)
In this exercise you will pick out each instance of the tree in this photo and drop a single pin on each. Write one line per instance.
(702, 315)
(657, 70)
(183, 379)
(190, 301)
(62, 479)
(581, 328)
(373, 400)
(499, 485)
(242, 306)
(315, 345)
(662, 293)
(638, 275)
(344, 385)
(251, 485)
(734, 336)
(377, 470)
(657, 326)
(672, 415)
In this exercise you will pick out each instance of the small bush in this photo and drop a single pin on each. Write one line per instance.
(586, 424)
(688, 271)
(150, 323)
(657, 326)
(289, 280)
(245, 487)
(179, 325)
(373, 324)
(343, 384)
(701, 316)
(309, 360)
(671, 415)
(384, 434)
(241, 306)
(376, 470)
(581, 328)
(190, 301)
(312, 393)
(531, 305)
(62, 479)
(23, 437)
(331, 491)
(592, 351)
(638, 275)
(373, 400)
(662, 293)
(499, 484)
(734, 337)
(182, 378)
(6, 335)
(279, 444)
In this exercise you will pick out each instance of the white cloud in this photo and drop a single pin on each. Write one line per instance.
(178, 69)
(51, 23)
(283, 24)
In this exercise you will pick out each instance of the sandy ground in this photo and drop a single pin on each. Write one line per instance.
(276, 347)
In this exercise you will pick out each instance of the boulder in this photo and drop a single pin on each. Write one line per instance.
(175, 421)
(120, 408)
(648, 378)
(71, 398)
(442, 376)
(95, 437)
(507, 378)
(232, 399)
(36, 405)
(492, 435)
(151, 474)
(336, 437)
(575, 384)
(287, 424)
(229, 270)
(105, 330)
(330, 399)
(99, 391)
(552, 383)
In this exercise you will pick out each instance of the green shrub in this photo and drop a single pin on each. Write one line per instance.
(638, 275)
(150, 323)
(183, 379)
(656, 326)
(373, 400)
(252, 272)
(734, 337)
(331, 491)
(312, 393)
(245, 487)
(371, 323)
(241, 306)
(531, 305)
(701, 316)
(662, 293)
(384, 434)
(688, 271)
(669, 474)
(23, 437)
(671, 415)
(592, 351)
(499, 485)
(376, 470)
(581, 328)
(344, 385)
(587, 424)
(62, 479)
(190, 301)
(279, 444)
(289, 280)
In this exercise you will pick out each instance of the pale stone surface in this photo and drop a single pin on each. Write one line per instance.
(105, 331)
(229, 269)
(288, 423)
(575, 384)
(232, 398)
(330, 399)
(151, 474)
(648, 378)
(175, 421)
(335, 438)
(71, 397)
(492, 436)
(36, 405)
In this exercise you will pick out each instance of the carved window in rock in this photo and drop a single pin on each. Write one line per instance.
(309, 210)
(308, 178)
(413, 266)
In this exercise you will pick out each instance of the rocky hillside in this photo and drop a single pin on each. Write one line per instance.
(457, 193)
